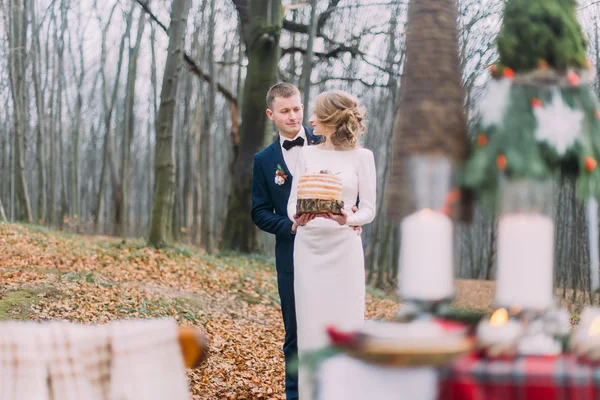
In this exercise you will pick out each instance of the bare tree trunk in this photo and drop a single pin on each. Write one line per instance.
(2, 213)
(198, 181)
(263, 58)
(62, 88)
(307, 65)
(108, 106)
(150, 162)
(41, 122)
(189, 149)
(51, 136)
(17, 67)
(207, 238)
(431, 114)
(123, 215)
(74, 156)
(162, 211)
(191, 188)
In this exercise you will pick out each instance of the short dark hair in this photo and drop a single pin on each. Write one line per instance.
(282, 89)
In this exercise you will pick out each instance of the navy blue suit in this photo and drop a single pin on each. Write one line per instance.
(269, 213)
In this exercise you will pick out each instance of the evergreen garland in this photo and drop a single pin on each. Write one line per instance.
(535, 30)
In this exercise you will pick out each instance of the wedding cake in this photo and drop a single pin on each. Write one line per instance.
(320, 193)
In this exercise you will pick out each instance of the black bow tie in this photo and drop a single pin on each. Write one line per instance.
(288, 144)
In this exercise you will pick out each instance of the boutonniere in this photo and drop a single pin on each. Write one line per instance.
(280, 176)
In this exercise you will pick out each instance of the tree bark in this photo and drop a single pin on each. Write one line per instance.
(262, 45)
(41, 122)
(207, 237)
(307, 64)
(162, 211)
(17, 67)
(123, 215)
(108, 106)
(430, 120)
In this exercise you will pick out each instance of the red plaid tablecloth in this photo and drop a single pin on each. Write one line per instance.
(530, 378)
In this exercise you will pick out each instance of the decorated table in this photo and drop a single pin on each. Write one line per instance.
(358, 371)
(563, 377)
(538, 123)
(471, 377)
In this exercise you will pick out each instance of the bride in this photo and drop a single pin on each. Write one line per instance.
(329, 274)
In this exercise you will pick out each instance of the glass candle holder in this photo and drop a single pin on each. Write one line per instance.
(525, 269)
(426, 273)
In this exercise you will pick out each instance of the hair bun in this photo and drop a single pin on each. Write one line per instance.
(341, 110)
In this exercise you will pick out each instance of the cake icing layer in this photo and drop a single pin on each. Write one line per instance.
(320, 186)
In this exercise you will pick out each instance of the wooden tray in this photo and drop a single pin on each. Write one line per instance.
(383, 353)
(412, 351)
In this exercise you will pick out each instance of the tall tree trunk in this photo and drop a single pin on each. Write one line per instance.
(74, 156)
(190, 164)
(162, 211)
(108, 106)
(61, 96)
(198, 182)
(191, 188)
(134, 51)
(41, 122)
(207, 236)
(261, 35)
(17, 58)
(51, 136)
(150, 161)
(430, 119)
(307, 64)
(2, 213)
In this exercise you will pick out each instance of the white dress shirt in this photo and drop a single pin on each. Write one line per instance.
(291, 156)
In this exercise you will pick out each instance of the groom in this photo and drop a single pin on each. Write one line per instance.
(271, 185)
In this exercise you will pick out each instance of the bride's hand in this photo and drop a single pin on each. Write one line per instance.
(303, 219)
(357, 229)
(340, 219)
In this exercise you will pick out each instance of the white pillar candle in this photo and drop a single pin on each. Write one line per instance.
(426, 257)
(525, 261)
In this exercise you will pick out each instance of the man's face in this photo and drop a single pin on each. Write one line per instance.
(287, 114)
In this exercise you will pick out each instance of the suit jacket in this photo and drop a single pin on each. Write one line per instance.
(269, 200)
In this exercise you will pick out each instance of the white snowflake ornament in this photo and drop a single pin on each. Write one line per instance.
(495, 101)
(558, 124)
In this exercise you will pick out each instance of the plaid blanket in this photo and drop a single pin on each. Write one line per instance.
(531, 378)
(22, 366)
(131, 360)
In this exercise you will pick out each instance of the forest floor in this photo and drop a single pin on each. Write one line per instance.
(47, 275)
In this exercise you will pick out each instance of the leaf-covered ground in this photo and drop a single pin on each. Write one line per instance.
(48, 275)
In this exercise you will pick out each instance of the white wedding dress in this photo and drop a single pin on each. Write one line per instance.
(329, 273)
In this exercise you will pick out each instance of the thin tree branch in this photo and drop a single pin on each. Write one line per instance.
(334, 78)
(192, 65)
(303, 28)
(588, 5)
(334, 53)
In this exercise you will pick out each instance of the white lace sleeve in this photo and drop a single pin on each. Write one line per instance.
(367, 190)
(300, 170)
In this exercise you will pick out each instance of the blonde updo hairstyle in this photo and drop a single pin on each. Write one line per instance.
(340, 110)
